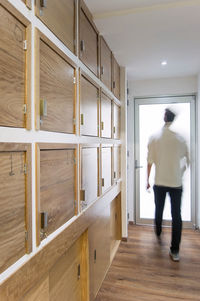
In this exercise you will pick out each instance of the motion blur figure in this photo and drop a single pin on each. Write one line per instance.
(168, 150)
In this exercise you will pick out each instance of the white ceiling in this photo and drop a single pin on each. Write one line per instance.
(142, 33)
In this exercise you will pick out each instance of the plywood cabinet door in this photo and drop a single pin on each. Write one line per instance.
(12, 71)
(106, 116)
(57, 91)
(115, 78)
(88, 43)
(99, 251)
(12, 208)
(115, 222)
(68, 278)
(59, 17)
(106, 168)
(105, 64)
(89, 99)
(89, 174)
(57, 186)
(117, 162)
(116, 121)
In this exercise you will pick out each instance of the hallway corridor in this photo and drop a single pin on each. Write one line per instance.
(142, 269)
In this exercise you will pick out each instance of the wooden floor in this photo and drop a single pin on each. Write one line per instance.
(142, 269)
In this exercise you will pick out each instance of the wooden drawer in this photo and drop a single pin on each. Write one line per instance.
(105, 64)
(106, 168)
(56, 93)
(89, 175)
(56, 178)
(59, 17)
(13, 71)
(88, 40)
(116, 121)
(115, 78)
(106, 116)
(89, 108)
(116, 162)
(15, 202)
(115, 224)
(99, 251)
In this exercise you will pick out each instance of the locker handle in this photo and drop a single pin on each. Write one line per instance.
(43, 107)
(79, 272)
(95, 255)
(82, 195)
(102, 125)
(82, 119)
(43, 3)
(114, 84)
(102, 182)
(114, 174)
(44, 220)
(114, 129)
(102, 70)
(82, 45)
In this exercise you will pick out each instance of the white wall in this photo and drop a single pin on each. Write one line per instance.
(147, 88)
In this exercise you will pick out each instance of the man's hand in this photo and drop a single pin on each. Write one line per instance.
(148, 185)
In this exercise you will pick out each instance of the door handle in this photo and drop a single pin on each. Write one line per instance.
(137, 166)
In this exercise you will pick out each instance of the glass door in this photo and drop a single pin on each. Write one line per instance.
(149, 120)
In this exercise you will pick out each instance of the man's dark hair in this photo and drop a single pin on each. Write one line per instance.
(169, 115)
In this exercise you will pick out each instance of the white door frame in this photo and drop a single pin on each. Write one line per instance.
(167, 100)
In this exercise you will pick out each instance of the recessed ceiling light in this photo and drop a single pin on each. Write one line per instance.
(164, 63)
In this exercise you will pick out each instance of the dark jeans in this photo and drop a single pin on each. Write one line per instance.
(175, 197)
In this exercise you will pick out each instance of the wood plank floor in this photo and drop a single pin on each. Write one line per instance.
(142, 269)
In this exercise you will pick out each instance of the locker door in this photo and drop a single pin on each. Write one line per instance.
(89, 174)
(89, 108)
(59, 17)
(106, 120)
(106, 168)
(116, 121)
(88, 43)
(57, 188)
(57, 91)
(117, 162)
(115, 223)
(116, 78)
(106, 64)
(12, 208)
(12, 71)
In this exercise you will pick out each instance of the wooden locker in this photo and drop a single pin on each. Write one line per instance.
(116, 121)
(13, 70)
(89, 108)
(115, 78)
(56, 95)
(105, 64)
(116, 162)
(68, 279)
(106, 168)
(59, 17)
(89, 175)
(115, 225)
(15, 205)
(106, 116)
(88, 40)
(99, 251)
(56, 176)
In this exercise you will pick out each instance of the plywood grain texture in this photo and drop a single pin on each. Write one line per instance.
(39, 292)
(12, 208)
(106, 116)
(57, 186)
(115, 224)
(57, 88)
(12, 72)
(105, 64)
(88, 43)
(116, 121)
(115, 78)
(89, 104)
(89, 174)
(99, 251)
(59, 17)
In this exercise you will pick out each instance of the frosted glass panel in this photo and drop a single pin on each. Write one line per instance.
(150, 121)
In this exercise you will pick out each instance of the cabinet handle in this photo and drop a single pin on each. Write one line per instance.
(95, 256)
(43, 107)
(82, 119)
(43, 3)
(114, 174)
(79, 272)
(44, 220)
(82, 45)
(114, 84)
(102, 182)
(102, 125)
(114, 130)
(82, 195)
(102, 70)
